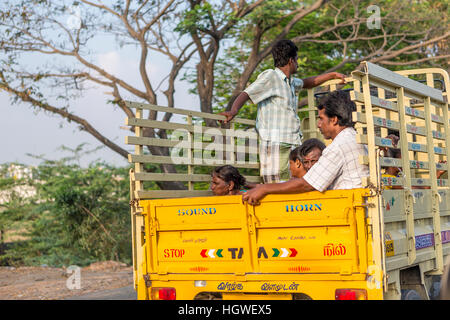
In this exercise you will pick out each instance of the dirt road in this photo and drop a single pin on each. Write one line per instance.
(107, 280)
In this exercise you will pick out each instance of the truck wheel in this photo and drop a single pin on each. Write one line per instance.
(410, 295)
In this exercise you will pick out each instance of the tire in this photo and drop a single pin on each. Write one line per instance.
(410, 295)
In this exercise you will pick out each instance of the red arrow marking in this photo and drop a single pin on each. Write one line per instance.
(203, 253)
(293, 252)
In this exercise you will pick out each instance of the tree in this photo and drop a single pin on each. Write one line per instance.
(337, 36)
(209, 25)
(65, 32)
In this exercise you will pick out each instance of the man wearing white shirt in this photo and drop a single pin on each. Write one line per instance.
(338, 167)
(275, 91)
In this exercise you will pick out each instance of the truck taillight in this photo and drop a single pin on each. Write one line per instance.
(164, 294)
(351, 294)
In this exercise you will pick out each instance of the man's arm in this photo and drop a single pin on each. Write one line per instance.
(296, 185)
(315, 81)
(237, 105)
(250, 185)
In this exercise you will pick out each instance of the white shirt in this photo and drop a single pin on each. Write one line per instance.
(339, 167)
(276, 96)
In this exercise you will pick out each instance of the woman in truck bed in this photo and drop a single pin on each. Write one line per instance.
(226, 181)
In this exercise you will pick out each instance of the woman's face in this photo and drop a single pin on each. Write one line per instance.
(219, 187)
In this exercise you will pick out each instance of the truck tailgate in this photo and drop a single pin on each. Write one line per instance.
(308, 233)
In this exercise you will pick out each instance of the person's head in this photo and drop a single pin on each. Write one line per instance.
(335, 113)
(295, 163)
(393, 153)
(310, 151)
(226, 180)
(302, 158)
(284, 53)
(394, 138)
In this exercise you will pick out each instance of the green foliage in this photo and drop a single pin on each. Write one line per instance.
(320, 51)
(79, 215)
(196, 18)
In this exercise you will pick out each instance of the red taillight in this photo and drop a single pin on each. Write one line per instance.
(351, 294)
(164, 294)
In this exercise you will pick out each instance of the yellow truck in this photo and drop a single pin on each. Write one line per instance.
(388, 240)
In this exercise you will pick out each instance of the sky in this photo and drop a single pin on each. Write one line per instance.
(24, 131)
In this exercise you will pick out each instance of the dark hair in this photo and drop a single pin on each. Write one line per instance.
(311, 144)
(393, 152)
(295, 154)
(282, 51)
(229, 173)
(306, 147)
(338, 104)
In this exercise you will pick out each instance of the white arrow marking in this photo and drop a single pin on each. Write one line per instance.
(285, 252)
(211, 253)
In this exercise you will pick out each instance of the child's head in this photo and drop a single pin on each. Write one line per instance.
(295, 164)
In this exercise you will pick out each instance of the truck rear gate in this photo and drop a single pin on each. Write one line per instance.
(274, 248)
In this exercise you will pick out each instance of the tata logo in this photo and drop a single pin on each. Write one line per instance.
(304, 207)
(218, 253)
(277, 252)
(196, 211)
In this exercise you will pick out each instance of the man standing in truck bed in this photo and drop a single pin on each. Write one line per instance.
(277, 122)
(338, 167)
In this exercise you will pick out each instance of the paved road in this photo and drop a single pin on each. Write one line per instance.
(125, 293)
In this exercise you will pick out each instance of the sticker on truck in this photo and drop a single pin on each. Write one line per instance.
(277, 252)
(233, 253)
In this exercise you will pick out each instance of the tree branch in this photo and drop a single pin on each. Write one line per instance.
(84, 125)
(399, 63)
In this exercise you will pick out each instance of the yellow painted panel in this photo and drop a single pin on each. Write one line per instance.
(208, 215)
(390, 252)
(307, 250)
(201, 251)
(304, 210)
